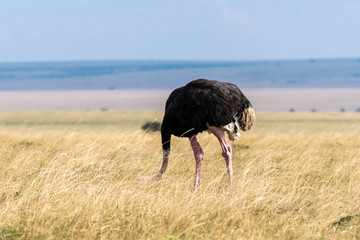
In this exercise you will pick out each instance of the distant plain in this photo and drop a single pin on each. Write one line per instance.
(279, 100)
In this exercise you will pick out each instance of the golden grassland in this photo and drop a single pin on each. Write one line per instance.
(76, 175)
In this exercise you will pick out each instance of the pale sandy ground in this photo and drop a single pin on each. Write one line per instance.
(262, 99)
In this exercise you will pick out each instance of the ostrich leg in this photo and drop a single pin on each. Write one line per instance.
(199, 156)
(226, 149)
(165, 140)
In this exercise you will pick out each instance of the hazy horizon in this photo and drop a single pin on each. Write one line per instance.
(153, 74)
(182, 60)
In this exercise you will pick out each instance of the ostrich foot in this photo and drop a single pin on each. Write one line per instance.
(150, 180)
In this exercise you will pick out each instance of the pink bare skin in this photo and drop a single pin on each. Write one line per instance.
(199, 156)
(226, 148)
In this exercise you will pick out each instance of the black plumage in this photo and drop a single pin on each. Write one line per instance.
(204, 105)
(202, 101)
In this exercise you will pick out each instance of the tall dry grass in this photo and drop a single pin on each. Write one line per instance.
(75, 175)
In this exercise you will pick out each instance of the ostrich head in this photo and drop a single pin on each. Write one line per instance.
(247, 118)
(232, 130)
(245, 121)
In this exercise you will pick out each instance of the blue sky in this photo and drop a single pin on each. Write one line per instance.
(57, 30)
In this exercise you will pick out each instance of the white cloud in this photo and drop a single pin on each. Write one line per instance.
(232, 14)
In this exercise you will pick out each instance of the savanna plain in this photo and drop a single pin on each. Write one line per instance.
(78, 175)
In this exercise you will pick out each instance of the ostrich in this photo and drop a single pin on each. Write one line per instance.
(205, 105)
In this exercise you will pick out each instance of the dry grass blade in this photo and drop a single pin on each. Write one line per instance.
(77, 176)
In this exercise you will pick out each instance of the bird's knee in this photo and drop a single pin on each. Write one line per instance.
(227, 152)
(199, 156)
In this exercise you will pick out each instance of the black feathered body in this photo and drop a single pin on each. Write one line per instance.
(205, 105)
(189, 108)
